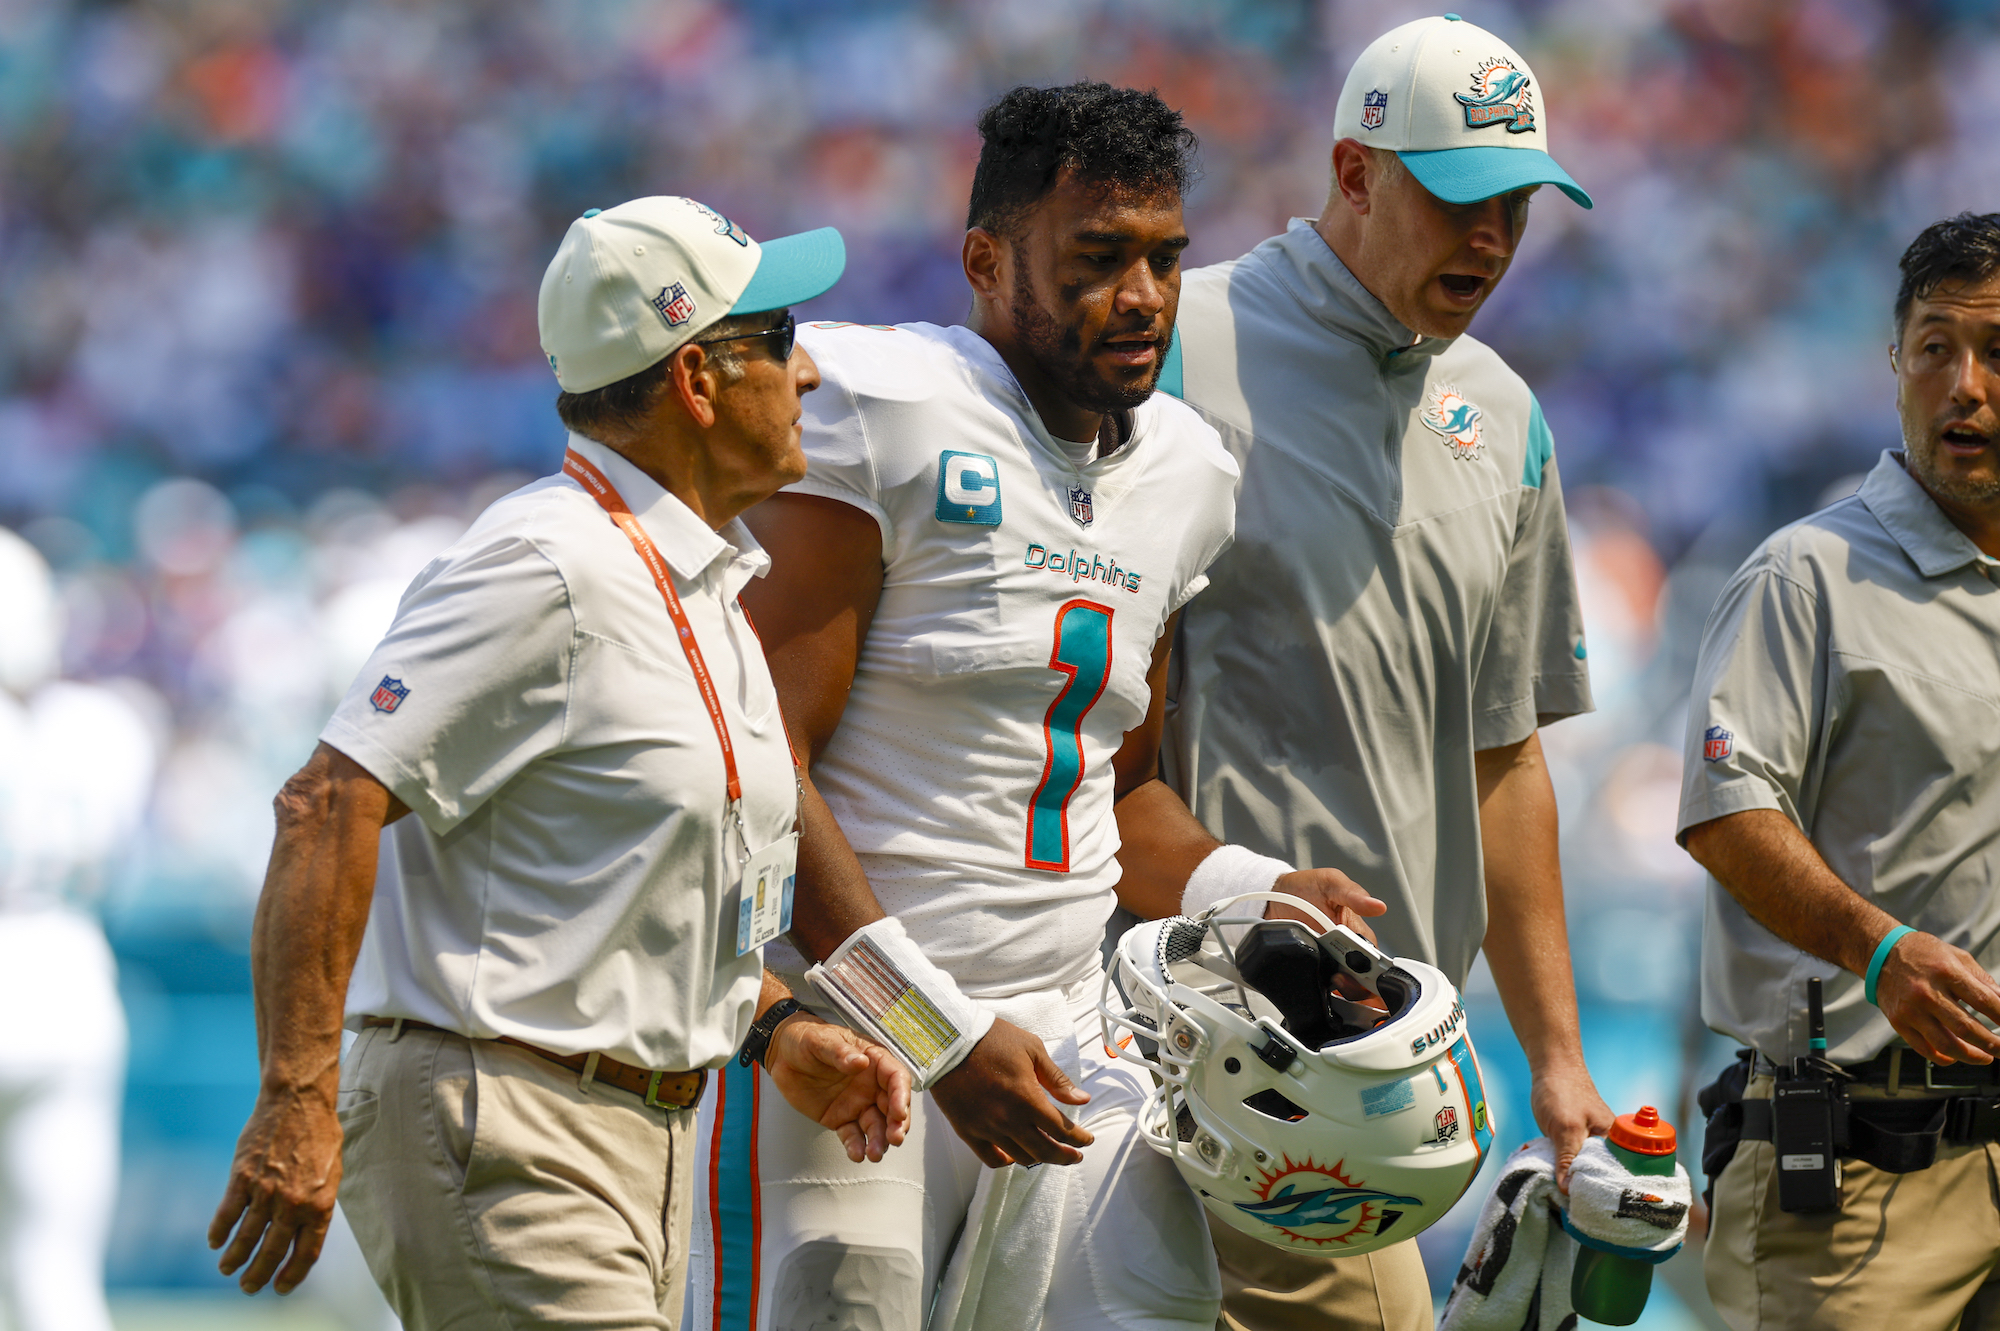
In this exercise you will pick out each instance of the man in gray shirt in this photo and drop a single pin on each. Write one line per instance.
(1360, 686)
(1842, 786)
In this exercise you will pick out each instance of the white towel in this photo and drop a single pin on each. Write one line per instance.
(1644, 1216)
(999, 1274)
(1517, 1247)
(1528, 1233)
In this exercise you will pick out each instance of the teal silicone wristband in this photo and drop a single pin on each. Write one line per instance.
(1889, 940)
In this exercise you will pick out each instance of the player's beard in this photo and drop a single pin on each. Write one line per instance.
(1058, 353)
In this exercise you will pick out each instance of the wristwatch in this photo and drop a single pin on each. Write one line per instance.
(758, 1041)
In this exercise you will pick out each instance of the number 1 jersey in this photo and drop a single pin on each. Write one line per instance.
(1022, 599)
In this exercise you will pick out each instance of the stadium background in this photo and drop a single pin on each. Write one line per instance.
(267, 343)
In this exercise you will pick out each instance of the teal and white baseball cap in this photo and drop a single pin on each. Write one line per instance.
(1458, 105)
(632, 284)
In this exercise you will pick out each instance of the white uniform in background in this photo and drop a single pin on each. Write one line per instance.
(76, 767)
(1025, 587)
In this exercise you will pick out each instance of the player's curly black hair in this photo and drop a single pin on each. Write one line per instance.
(1965, 248)
(1120, 136)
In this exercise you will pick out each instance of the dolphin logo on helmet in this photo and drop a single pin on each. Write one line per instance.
(1328, 1206)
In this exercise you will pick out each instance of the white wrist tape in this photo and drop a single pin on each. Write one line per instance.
(893, 994)
(1229, 871)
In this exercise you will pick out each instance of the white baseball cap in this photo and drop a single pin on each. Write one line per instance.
(1458, 105)
(630, 285)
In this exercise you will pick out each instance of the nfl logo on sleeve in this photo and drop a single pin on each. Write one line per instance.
(968, 489)
(389, 694)
(1717, 744)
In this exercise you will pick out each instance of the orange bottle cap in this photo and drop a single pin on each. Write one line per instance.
(1644, 1132)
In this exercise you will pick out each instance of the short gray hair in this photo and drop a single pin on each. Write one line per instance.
(618, 408)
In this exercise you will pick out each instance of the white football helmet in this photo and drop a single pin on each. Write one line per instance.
(1315, 1092)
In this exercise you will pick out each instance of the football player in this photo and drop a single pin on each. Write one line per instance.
(968, 616)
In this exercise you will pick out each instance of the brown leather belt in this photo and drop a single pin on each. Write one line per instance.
(661, 1090)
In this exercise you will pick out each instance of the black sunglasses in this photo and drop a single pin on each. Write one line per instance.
(781, 338)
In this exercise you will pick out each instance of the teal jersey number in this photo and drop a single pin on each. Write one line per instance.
(1083, 652)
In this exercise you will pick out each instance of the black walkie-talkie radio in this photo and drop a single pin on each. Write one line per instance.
(1809, 1120)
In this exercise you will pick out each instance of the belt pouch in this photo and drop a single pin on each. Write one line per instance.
(1899, 1137)
(1972, 1119)
(1722, 1101)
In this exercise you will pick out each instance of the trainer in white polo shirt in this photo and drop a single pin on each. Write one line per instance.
(577, 712)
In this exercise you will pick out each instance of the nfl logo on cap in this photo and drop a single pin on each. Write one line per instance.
(674, 305)
(1374, 108)
(389, 694)
(1717, 744)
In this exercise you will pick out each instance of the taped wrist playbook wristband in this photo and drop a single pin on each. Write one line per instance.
(885, 986)
(1229, 871)
(1882, 951)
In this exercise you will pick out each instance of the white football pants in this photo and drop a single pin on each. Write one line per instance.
(790, 1235)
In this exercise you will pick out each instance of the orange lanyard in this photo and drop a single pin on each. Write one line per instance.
(600, 488)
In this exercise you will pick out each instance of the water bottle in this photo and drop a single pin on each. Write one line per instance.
(1605, 1287)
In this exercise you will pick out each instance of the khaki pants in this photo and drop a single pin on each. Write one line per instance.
(489, 1191)
(1915, 1252)
(1265, 1288)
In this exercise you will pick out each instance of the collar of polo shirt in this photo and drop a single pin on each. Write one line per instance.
(688, 544)
(1907, 512)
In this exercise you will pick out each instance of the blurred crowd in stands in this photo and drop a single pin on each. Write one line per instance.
(267, 279)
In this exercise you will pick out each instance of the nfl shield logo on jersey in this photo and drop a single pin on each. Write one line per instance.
(389, 694)
(1374, 108)
(674, 305)
(1717, 744)
(1079, 505)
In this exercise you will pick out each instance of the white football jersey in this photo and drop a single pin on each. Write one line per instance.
(1022, 599)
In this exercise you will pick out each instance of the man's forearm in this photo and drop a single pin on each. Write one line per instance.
(311, 916)
(1527, 937)
(1160, 844)
(833, 896)
(1773, 871)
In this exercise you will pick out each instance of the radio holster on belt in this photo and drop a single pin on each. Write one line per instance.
(1813, 1123)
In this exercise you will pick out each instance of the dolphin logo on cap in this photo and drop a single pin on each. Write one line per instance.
(1499, 97)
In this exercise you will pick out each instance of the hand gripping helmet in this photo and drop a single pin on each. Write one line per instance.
(1315, 1093)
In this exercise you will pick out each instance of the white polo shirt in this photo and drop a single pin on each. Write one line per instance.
(562, 878)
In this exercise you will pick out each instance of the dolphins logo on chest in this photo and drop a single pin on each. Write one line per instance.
(1453, 419)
